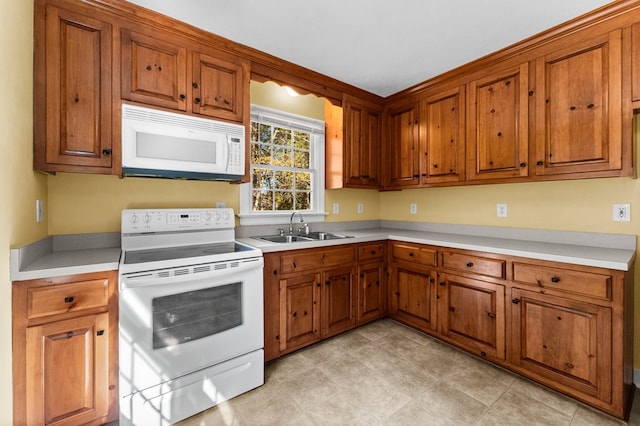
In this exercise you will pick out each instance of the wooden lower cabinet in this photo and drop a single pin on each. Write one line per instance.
(563, 341)
(299, 310)
(371, 292)
(338, 301)
(413, 295)
(472, 314)
(65, 350)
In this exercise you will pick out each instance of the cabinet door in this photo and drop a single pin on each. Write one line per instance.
(78, 106)
(219, 87)
(497, 139)
(403, 160)
(338, 301)
(68, 367)
(562, 340)
(472, 314)
(371, 300)
(443, 155)
(579, 108)
(362, 131)
(299, 311)
(413, 296)
(154, 71)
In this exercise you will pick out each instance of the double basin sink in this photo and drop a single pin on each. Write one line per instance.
(299, 238)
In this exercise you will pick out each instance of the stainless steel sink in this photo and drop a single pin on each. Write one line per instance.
(326, 236)
(294, 238)
(284, 238)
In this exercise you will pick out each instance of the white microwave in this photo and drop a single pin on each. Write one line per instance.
(157, 143)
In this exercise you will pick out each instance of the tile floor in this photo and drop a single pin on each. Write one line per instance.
(387, 374)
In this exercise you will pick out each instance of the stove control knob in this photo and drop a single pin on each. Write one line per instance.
(207, 217)
(217, 216)
(134, 218)
(225, 215)
(147, 218)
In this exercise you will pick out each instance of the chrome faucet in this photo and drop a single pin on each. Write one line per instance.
(305, 226)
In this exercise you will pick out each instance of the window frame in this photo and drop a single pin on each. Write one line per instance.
(316, 128)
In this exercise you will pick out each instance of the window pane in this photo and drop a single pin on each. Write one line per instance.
(282, 157)
(255, 131)
(283, 200)
(283, 180)
(260, 153)
(265, 133)
(303, 200)
(282, 136)
(262, 178)
(301, 159)
(303, 181)
(262, 201)
(301, 140)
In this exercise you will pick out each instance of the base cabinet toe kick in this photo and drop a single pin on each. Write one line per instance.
(566, 326)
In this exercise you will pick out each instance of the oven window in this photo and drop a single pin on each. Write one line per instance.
(181, 318)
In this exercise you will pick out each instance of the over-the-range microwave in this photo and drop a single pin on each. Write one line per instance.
(165, 144)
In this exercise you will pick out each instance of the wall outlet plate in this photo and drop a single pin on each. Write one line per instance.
(413, 208)
(501, 210)
(360, 208)
(622, 212)
(336, 208)
(39, 211)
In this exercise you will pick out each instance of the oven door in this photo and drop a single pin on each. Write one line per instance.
(177, 321)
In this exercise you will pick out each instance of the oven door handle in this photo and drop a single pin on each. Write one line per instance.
(188, 273)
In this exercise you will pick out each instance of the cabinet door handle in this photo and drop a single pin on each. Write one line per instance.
(469, 264)
(523, 165)
(100, 332)
(555, 279)
(443, 284)
(182, 96)
(515, 301)
(195, 85)
(106, 151)
(452, 309)
(491, 315)
(378, 283)
(294, 314)
(69, 299)
(197, 100)
(411, 254)
(539, 163)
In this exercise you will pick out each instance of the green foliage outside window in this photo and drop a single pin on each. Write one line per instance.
(280, 168)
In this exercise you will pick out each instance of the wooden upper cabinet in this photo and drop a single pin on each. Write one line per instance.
(154, 71)
(73, 83)
(497, 129)
(579, 108)
(220, 86)
(166, 73)
(362, 132)
(443, 140)
(403, 147)
(635, 62)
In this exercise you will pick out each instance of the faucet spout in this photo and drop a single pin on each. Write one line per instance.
(306, 227)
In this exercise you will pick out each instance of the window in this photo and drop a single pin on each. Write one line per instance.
(287, 168)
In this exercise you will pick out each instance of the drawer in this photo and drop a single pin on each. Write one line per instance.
(63, 298)
(317, 259)
(370, 251)
(567, 280)
(474, 264)
(415, 253)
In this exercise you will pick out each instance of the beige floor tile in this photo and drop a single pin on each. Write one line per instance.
(346, 370)
(351, 341)
(480, 380)
(374, 330)
(588, 417)
(310, 388)
(446, 405)
(515, 408)
(438, 359)
(546, 396)
(376, 395)
(288, 366)
(338, 410)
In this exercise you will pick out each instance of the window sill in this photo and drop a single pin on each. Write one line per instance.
(279, 218)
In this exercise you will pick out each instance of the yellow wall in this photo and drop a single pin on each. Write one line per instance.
(19, 185)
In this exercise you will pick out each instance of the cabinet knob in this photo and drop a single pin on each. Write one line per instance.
(99, 332)
(555, 279)
(294, 314)
(182, 96)
(197, 100)
(443, 283)
(195, 85)
(523, 165)
(491, 315)
(515, 301)
(469, 264)
(590, 106)
(69, 299)
(416, 176)
(327, 282)
(106, 151)
(452, 309)
(539, 163)
(411, 254)
(572, 108)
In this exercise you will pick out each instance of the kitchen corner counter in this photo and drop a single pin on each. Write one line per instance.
(65, 255)
(610, 251)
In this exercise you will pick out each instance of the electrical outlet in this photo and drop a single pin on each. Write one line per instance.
(501, 210)
(39, 211)
(622, 212)
(413, 208)
(360, 208)
(336, 208)
(220, 205)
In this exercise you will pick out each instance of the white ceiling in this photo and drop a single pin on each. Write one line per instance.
(382, 46)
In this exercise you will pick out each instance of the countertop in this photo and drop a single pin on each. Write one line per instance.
(84, 253)
(599, 254)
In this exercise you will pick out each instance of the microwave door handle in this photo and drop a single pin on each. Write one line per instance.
(225, 152)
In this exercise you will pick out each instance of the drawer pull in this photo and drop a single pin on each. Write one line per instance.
(373, 252)
(100, 332)
(470, 264)
(69, 299)
(555, 279)
(411, 254)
